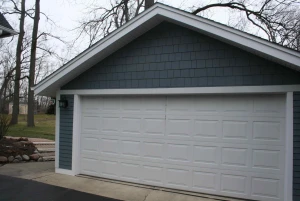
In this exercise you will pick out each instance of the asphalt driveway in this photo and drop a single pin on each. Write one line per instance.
(16, 189)
(37, 181)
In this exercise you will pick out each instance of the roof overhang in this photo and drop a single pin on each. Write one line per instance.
(149, 19)
(6, 32)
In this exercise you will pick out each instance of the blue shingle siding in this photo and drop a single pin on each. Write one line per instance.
(173, 56)
(66, 133)
(296, 173)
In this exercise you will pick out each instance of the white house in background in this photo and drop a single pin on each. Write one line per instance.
(175, 100)
(23, 108)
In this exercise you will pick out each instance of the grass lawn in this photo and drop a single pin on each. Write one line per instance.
(44, 127)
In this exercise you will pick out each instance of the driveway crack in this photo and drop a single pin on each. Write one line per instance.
(147, 195)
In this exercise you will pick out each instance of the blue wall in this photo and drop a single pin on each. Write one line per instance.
(173, 56)
(66, 133)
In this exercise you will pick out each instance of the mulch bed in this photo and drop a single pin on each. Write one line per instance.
(14, 147)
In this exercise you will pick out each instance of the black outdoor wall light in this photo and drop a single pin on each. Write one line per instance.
(63, 103)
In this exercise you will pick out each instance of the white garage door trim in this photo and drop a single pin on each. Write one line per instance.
(266, 89)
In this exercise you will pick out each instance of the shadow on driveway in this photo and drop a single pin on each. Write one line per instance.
(15, 189)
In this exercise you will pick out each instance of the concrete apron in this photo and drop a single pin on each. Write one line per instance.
(44, 172)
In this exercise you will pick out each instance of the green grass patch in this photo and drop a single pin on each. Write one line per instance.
(44, 127)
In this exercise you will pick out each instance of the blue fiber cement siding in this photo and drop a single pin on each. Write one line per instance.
(296, 169)
(171, 56)
(66, 133)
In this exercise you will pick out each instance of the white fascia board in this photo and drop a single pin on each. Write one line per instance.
(231, 34)
(12, 32)
(190, 90)
(176, 16)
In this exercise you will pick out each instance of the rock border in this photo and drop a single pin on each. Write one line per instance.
(36, 157)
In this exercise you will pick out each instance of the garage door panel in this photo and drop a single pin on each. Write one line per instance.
(91, 124)
(89, 144)
(266, 188)
(269, 105)
(206, 155)
(268, 159)
(235, 157)
(236, 104)
(91, 105)
(130, 148)
(236, 129)
(110, 168)
(154, 125)
(233, 184)
(154, 105)
(130, 171)
(110, 124)
(224, 145)
(179, 104)
(109, 147)
(207, 128)
(177, 177)
(179, 127)
(153, 150)
(90, 164)
(131, 125)
(206, 181)
(178, 152)
(269, 131)
(204, 106)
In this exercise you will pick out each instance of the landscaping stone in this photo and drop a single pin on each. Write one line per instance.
(36, 151)
(16, 161)
(41, 159)
(3, 159)
(34, 157)
(25, 158)
(18, 157)
(11, 158)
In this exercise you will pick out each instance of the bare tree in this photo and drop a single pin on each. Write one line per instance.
(16, 101)
(30, 115)
(279, 20)
(101, 21)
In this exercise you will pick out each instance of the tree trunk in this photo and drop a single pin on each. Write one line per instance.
(148, 4)
(30, 114)
(15, 113)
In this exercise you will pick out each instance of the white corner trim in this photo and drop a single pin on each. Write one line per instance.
(288, 183)
(57, 120)
(190, 90)
(63, 171)
(76, 135)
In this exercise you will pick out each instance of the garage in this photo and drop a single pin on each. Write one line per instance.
(230, 145)
(177, 101)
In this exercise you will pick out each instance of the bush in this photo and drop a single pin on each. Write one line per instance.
(4, 124)
(51, 109)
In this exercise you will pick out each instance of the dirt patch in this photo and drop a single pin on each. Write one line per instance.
(14, 147)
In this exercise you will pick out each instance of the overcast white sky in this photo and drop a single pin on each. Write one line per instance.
(67, 13)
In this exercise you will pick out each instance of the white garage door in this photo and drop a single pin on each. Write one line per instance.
(225, 145)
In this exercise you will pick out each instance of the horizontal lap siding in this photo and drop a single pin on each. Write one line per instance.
(173, 56)
(66, 133)
(296, 173)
